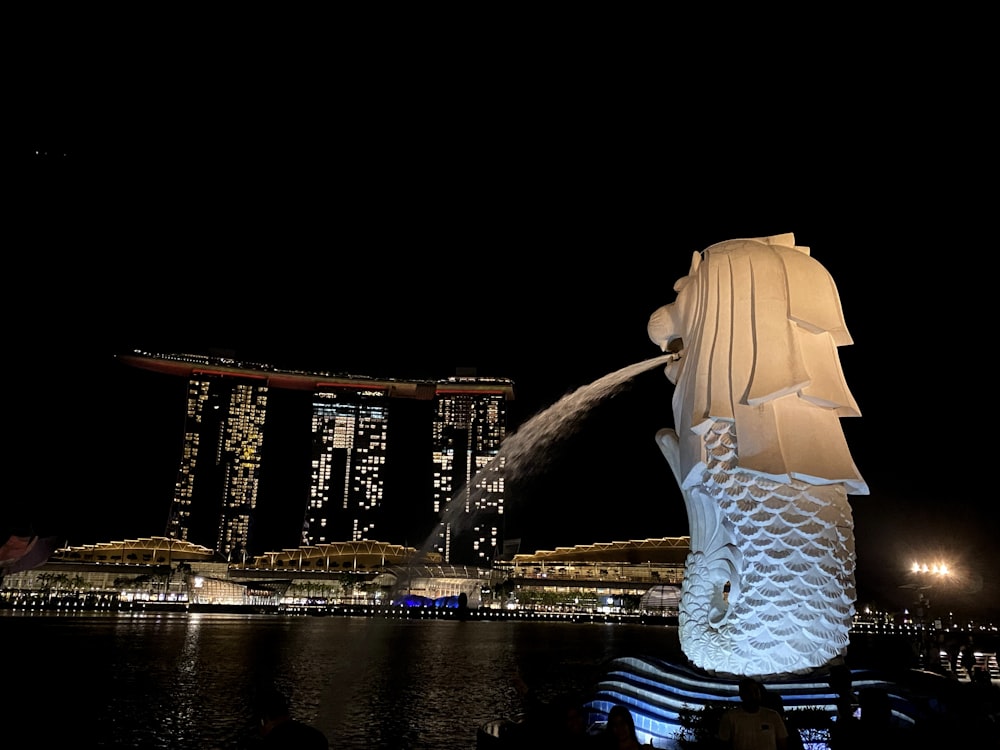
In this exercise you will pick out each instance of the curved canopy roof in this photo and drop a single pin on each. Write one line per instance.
(664, 550)
(156, 549)
(362, 554)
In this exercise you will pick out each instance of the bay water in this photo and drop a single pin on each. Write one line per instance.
(185, 680)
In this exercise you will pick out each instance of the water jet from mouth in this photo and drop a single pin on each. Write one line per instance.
(524, 453)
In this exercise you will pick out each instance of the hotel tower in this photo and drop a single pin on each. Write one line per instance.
(224, 454)
(469, 424)
(216, 489)
(349, 433)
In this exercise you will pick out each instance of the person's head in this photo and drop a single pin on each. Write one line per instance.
(571, 715)
(574, 721)
(876, 706)
(272, 707)
(750, 692)
(620, 721)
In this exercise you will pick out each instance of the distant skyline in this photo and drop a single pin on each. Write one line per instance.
(286, 467)
(561, 331)
(522, 223)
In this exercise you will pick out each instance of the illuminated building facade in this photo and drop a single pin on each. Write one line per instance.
(349, 432)
(469, 425)
(216, 489)
(216, 492)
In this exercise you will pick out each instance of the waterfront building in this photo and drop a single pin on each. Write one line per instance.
(642, 575)
(469, 425)
(350, 435)
(630, 578)
(216, 489)
(224, 452)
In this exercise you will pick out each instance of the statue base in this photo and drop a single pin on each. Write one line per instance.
(675, 705)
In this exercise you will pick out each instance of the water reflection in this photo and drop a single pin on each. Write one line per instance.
(187, 681)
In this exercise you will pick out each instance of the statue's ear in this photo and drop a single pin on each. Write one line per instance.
(695, 263)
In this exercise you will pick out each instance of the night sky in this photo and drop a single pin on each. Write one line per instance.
(527, 231)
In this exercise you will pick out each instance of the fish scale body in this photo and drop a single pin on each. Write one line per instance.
(786, 552)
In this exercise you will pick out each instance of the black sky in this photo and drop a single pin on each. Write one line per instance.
(524, 223)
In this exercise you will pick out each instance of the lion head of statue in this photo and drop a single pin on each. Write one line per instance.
(754, 331)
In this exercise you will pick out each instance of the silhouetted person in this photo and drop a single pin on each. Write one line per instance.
(967, 656)
(279, 730)
(840, 682)
(619, 732)
(752, 725)
(773, 699)
(567, 728)
(876, 728)
(561, 723)
(953, 648)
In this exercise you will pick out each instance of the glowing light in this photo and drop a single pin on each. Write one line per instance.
(937, 568)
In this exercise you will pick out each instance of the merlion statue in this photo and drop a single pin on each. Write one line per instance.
(760, 457)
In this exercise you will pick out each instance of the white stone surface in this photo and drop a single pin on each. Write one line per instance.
(760, 456)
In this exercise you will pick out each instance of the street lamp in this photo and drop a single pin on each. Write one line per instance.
(935, 568)
(924, 575)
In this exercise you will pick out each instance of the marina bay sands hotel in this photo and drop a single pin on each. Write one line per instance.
(225, 434)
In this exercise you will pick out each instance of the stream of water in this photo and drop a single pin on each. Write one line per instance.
(524, 452)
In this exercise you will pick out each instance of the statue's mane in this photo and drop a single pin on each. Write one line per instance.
(763, 322)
